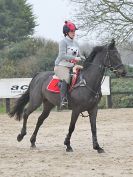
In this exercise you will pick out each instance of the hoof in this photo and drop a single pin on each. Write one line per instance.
(33, 146)
(19, 137)
(100, 150)
(69, 150)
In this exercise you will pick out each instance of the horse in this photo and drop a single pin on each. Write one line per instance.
(80, 98)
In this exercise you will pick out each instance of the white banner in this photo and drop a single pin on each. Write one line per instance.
(106, 86)
(15, 87)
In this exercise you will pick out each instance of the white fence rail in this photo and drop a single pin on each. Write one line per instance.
(14, 87)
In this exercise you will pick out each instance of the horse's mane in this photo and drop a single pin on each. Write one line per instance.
(92, 55)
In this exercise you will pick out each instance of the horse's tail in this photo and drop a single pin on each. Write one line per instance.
(17, 110)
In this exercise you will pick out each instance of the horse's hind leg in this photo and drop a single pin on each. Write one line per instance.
(93, 116)
(46, 110)
(74, 118)
(23, 130)
(31, 107)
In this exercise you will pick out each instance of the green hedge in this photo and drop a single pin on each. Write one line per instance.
(120, 100)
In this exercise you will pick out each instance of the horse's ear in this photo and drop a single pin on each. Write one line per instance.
(112, 44)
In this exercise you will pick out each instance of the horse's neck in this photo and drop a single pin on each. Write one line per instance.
(94, 74)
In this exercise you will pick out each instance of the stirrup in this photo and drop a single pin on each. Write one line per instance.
(64, 103)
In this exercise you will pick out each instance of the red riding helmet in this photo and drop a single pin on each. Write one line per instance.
(68, 26)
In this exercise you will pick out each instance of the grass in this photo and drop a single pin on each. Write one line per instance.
(2, 109)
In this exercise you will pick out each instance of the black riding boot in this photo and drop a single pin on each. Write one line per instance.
(63, 94)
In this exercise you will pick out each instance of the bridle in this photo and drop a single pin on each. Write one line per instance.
(109, 66)
(105, 67)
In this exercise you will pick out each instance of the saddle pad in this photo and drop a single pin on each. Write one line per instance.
(53, 86)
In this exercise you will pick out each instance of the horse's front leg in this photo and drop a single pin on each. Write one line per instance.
(74, 118)
(93, 116)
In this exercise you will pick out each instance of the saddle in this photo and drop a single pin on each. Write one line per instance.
(53, 85)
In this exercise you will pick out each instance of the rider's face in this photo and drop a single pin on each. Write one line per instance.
(71, 34)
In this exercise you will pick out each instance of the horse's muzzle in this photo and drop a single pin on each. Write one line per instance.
(120, 72)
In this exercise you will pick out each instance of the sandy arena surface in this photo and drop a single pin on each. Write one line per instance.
(49, 159)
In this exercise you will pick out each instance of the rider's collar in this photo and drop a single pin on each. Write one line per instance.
(69, 38)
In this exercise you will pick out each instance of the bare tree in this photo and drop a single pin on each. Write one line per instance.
(106, 18)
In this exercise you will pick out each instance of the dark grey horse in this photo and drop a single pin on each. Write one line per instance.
(81, 98)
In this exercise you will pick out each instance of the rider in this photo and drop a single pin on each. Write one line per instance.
(68, 54)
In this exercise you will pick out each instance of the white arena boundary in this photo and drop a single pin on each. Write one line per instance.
(15, 87)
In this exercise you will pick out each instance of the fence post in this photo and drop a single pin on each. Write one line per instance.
(7, 105)
(109, 101)
(109, 97)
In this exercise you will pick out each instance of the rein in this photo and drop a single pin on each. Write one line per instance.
(101, 67)
(104, 67)
(96, 93)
